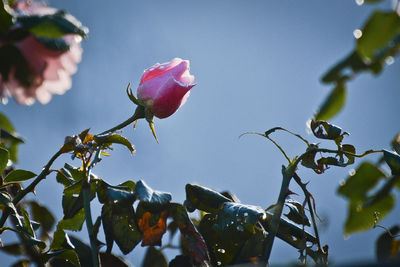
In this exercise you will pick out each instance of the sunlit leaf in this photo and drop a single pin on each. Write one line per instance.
(114, 139)
(146, 194)
(67, 255)
(19, 176)
(366, 177)
(332, 104)
(361, 218)
(3, 159)
(380, 28)
(76, 173)
(203, 198)
(64, 177)
(53, 26)
(239, 216)
(115, 194)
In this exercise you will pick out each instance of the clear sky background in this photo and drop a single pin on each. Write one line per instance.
(257, 64)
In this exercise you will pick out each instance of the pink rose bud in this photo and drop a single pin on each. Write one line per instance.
(165, 87)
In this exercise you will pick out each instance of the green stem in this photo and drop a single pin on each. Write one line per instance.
(139, 114)
(277, 214)
(88, 215)
(30, 187)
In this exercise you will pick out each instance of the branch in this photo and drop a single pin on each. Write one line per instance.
(286, 177)
(31, 187)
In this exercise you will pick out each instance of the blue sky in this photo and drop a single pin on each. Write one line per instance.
(257, 64)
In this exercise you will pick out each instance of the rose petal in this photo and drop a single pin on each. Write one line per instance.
(158, 69)
(150, 88)
(169, 98)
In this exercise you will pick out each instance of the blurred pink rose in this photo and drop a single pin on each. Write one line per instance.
(50, 70)
(165, 87)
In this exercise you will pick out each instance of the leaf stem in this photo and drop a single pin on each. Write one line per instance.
(31, 187)
(139, 114)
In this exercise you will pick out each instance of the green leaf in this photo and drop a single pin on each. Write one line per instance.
(203, 198)
(114, 139)
(5, 17)
(71, 203)
(296, 212)
(19, 176)
(42, 215)
(75, 223)
(76, 173)
(380, 28)
(116, 194)
(27, 223)
(3, 159)
(68, 255)
(64, 177)
(387, 245)
(6, 124)
(222, 246)
(57, 44)
(8, 136)
(6, 201)
(326, 130)
(361, 218)
(332, 104)
(53, 26)
(154, 257)
(146, 194)
(112, 260)
(366, 177)
(252, 248)
(193, 240)
(393, 160)
(239, 216)
(61, 240)
(119, 224)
